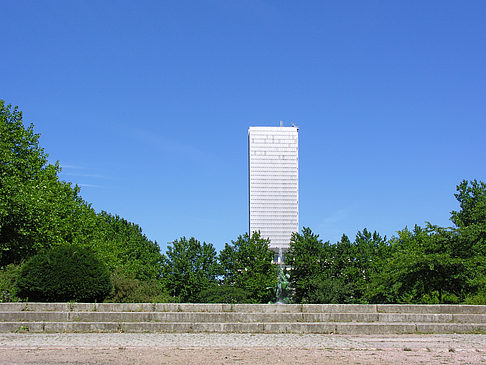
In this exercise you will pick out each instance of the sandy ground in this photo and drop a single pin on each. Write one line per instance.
(240, 349)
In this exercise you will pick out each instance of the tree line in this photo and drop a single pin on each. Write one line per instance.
(41, 215)
(429, 264)
(44, 221)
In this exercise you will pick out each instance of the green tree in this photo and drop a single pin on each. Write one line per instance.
(310, 260)
(124, 248)
(188, 267)
(247, 265)
(471, 196)
(338, 273)
(36, 209)
(338, 281)
(470, 222)
(370, 250)
(424, 268)
(435, 264)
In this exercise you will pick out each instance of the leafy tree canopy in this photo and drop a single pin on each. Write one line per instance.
(39, 211)
(338, 273)
(188, 267)
(36, 209)
(424, 266)
(471, 196)
(309, 259)
(247, 265)
(125, 249)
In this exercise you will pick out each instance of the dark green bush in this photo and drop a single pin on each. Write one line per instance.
(64, 273)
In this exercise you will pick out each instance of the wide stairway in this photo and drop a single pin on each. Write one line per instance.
(241, 318)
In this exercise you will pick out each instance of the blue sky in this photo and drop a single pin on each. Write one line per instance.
(146, 104)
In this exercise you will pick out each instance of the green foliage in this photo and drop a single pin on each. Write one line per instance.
(8, 283)
(439, 265)
(224, 294)
(370, 253)
(340, 273)
(189, 267)
(309, 259)
(129, 290)
(471, 220)
(38, 213)
(424, 266)
(329, 290)
(64, 273)
(247, 265)
(477, 298)
(124, 248)
(471, 196)
(36, 209)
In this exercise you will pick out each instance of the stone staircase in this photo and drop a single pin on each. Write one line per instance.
(349, 319)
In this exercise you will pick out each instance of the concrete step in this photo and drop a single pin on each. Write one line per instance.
(238, 317)
(296, 328)
(245, 308)
(241, 318)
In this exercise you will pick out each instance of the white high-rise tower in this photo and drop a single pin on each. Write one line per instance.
(274, 184)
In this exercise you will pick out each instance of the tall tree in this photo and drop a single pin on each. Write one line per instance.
(370, 251)
(125, 249)
(36, 209)
(471, 196)
(189, 267)
(247, 264)
(338, 273)
(470, 222)
(424, 268)
(310, 260)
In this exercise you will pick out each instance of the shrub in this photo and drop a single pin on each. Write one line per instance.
(64, 273)
(8, 279)
(130, 290)
(224, 294)
(478, 297)
(324, 290)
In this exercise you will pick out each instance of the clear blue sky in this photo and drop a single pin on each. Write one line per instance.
(146, 104)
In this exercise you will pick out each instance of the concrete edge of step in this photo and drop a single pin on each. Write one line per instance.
(250, 317)
(227, 327)
(246, 308)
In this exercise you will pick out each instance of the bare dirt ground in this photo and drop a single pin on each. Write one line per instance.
(123, 348)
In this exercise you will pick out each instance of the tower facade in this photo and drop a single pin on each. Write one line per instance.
(274, 184)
